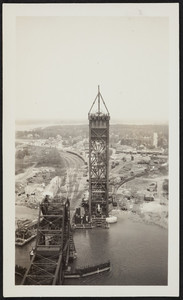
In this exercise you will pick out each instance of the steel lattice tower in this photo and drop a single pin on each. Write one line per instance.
(98, 159)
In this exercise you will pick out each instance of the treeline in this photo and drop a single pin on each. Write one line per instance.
(20, 154)
(135, 131)
(66, 131)
(51, 157)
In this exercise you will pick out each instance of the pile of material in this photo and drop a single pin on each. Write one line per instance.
(52, 188)
(23, 232)
(111, 219)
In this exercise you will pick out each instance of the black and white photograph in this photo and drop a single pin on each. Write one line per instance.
(91, 200)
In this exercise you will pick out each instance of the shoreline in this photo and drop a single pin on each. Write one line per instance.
(137, 218)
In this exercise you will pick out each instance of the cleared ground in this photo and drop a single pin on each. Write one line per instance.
(31, 184)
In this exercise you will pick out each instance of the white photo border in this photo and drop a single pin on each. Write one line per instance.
(10, 12)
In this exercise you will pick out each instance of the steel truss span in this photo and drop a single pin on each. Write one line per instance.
(54, 245)
(98, 158)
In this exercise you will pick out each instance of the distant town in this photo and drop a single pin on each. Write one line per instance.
(128, 138)
(133, 149)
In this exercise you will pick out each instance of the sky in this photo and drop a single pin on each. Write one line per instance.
(60, 61)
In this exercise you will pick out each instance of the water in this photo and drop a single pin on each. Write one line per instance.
(138, 254)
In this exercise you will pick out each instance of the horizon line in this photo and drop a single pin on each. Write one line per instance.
(114, 121)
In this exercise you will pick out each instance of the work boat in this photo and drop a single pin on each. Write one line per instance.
(111, 219)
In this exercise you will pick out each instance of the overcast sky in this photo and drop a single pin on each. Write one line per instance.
(61, 61)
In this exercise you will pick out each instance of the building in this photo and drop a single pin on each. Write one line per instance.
(155, 139)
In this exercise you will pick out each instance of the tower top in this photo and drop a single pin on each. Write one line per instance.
(102, 108)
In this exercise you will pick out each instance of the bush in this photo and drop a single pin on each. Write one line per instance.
(51, 158)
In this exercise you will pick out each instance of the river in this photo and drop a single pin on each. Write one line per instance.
(138, 253)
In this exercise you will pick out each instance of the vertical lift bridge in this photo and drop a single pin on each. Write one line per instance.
(98, 160)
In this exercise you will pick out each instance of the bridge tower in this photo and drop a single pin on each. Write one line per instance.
(98, 159)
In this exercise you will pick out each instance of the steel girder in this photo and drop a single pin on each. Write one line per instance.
(98, 159)
(52, 246)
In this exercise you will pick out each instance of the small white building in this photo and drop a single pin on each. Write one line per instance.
(155, 139)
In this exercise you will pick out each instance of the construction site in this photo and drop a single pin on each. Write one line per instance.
(69, 191)
(54, 241)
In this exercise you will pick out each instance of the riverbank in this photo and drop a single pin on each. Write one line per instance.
(147, 218)
(145, 200)
(151, 218)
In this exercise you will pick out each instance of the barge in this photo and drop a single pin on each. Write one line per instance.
(88, 271)
(25, 232)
